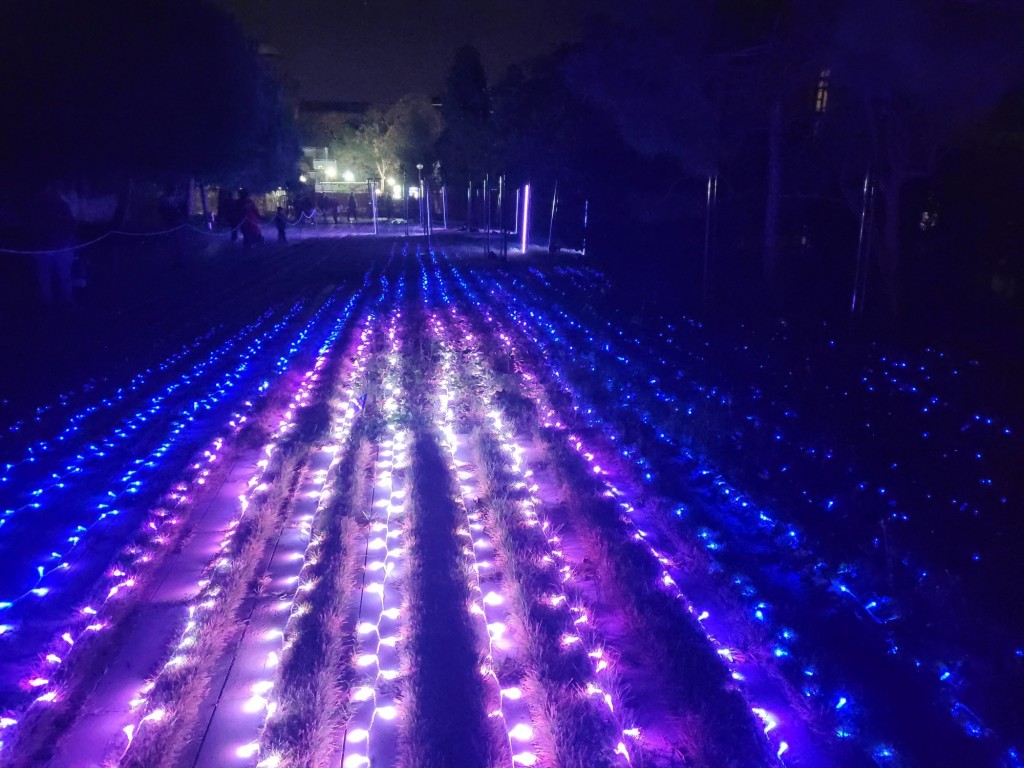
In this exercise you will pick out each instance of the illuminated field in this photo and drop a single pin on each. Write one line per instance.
(454, 516)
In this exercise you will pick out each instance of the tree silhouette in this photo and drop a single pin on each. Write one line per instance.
(913, 75)
(162, 90)
(466, 145)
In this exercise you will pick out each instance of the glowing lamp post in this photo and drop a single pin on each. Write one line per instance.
(526, 217)
(419, 173)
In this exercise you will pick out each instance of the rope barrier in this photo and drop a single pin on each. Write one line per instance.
(159, 233)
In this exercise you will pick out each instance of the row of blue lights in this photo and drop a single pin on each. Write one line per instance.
(943, 661)
(87, 402)
(58, 562)
(94, 616)
(130, 426)
(878, 608)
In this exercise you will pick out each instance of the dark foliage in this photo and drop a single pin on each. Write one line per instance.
(158, 90)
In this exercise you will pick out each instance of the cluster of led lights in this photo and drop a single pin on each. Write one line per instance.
(578, 629)
(771, 723)
(371, 737)
(297, 603)
(755, 525)
(896, 375)
(154, 538)
(128, 428)
(57, 556)
(209, 598)
(490, 607)
(77, 421)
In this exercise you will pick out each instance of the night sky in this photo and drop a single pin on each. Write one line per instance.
(378, 51)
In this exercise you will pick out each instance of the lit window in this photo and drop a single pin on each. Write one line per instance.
(821, 99)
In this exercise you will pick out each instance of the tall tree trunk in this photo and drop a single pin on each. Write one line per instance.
(773, 199)
(891, 256)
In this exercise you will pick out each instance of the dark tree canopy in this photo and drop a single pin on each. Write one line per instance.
(163, 89)
(788, 104)
(466, 145)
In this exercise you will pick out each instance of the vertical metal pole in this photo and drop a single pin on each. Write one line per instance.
(501, 212)
(863, 246)
(515, 219)
(551, 227)
(866, 271)
(586, 217)
(526, 218)
(487, 203)
(373, 202)
(426, 202)
(709, 220)
(405, 192)
(444, 204)
(469, 206)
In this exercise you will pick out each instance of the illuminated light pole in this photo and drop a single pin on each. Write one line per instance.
(501, 213)
(515, 218)
(860, 277)
(487, 203)
(554, 207)
(526, 217)
(708, 226)
(419, 172)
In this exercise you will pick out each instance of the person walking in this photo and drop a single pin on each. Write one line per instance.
(352, 212)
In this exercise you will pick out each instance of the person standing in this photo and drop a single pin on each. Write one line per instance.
(50, 231)
(280, 222)
(352, 212)
(251, 222)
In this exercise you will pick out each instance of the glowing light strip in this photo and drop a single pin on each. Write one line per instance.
(370, 736)
(526, 217)
(603, 684)
(298, 601)
(552, 419)
(209, 598)
(260, 706)
(491, 607)
(761, 609)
